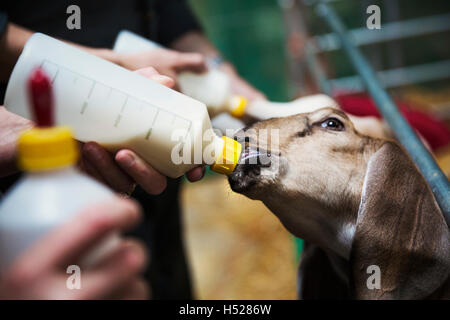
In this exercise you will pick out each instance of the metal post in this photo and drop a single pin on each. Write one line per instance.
(316, 69)
(405, 134)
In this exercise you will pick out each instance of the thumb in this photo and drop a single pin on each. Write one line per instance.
(152, 74)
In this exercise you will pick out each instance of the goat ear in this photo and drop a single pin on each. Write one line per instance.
(400, 229)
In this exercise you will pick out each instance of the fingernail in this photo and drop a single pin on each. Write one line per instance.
(161, 78)
(128, 160)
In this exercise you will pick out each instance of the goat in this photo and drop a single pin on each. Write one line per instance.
(356, 200)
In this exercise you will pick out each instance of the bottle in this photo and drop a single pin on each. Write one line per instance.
(52, 190)
(262, 110)
(117, 108)
(213, 87)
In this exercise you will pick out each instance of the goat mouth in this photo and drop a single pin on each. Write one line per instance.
(248, 170)
(242, 179)
(260, 158)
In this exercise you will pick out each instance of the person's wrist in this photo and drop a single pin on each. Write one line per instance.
(228, 68)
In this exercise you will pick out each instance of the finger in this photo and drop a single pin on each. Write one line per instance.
(147, 72)
(195, 62)
(87, 167)
(164, 80)
(118, 270)
(73, 240)
(255, 96)
(106, 167)
(154, 75)
(148, 178)
(138, 289)
(196, 174)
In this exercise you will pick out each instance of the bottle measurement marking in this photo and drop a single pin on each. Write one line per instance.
(85, 103)
(123, 105)
(56, 74)
(119, 116)
(149, 132)
(90, 91)
(188, 131)
(97, 87)
(185, 139)
(116, 123)
(83, 107)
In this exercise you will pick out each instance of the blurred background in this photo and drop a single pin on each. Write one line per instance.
(239, 239)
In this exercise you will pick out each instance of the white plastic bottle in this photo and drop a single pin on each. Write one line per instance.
(42, 201)
(262, 109)
(130, 42)
(51, 192)
(106, 103)
(213, 87)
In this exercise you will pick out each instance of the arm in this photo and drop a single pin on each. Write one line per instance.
(11, 44)
(167, 62)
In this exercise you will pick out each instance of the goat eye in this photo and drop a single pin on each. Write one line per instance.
(332, 124)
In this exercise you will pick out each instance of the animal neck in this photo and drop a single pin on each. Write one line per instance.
(324, 214)
(330, 227)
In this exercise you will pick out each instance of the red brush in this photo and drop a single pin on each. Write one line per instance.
(41, 98)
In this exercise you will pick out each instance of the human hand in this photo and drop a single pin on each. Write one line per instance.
(120, 171)
(40, 272)
(165, 61)
(11, 125)
(123, 170)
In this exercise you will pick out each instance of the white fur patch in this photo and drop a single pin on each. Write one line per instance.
(345, 236)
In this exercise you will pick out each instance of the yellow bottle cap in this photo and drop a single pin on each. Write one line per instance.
(46, 148)
(228, 158)
(238, 104)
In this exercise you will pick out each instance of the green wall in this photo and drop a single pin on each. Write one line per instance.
(250, 34)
